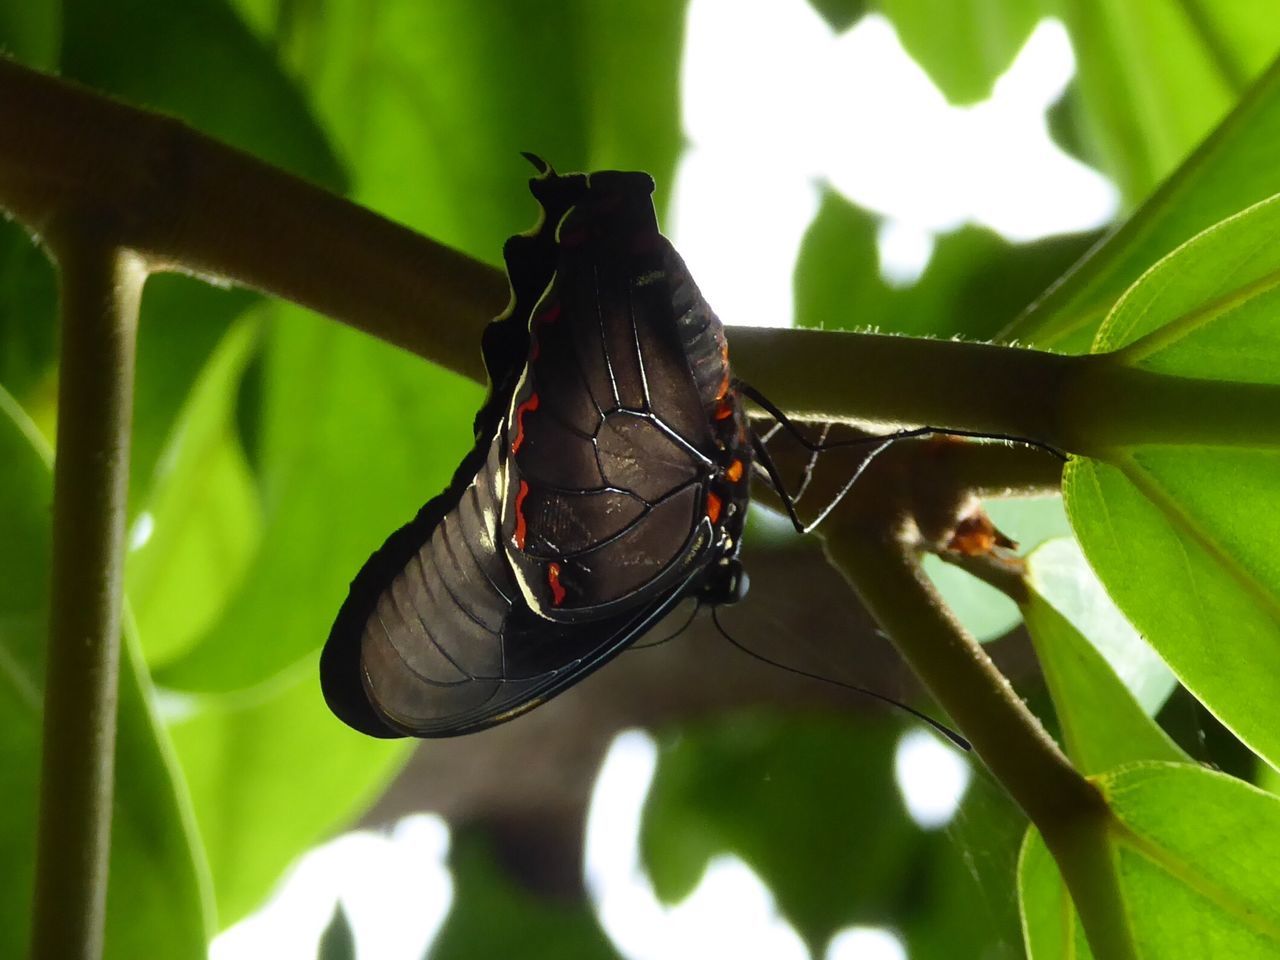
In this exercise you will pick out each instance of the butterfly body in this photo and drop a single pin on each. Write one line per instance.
(609, 481)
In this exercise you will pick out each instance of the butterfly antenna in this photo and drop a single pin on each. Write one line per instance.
(683, 627)
(819, 446)
(946, 731)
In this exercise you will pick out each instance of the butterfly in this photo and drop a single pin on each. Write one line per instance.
(608, 482)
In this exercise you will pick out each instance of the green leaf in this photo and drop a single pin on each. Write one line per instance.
(974, 284)
(1157, 76)
(433, 128)
(964, 45)
(839, 14)
(1103, 724)
(337, 942)
(715, 787)
(30, 32)
(28, 326)
(1184, 536)
(825, 788)
(202, 520)
(198, 61)
(270, 776)
(1238, 165)
(156, 895)
(181, 323)
(1197, 861)
(1195, 853)
(1060, 576)
(1051, 926)
(492, 917)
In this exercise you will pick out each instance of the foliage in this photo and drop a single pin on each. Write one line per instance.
(272, 450)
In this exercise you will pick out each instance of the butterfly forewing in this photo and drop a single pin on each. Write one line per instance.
(604, 495)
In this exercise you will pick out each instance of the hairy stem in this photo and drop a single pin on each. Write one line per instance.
(185, 202)
(1069, 811)
(100, 289)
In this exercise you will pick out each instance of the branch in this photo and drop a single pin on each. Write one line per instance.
(100, 290)
(1069, 812)
(186, 202)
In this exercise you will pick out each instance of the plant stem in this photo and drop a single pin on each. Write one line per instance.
(1070, 812)
(100, 290)
(962, 677)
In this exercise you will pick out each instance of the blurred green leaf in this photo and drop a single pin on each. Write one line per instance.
(30, 32)
(974, 284)
(1184, 536)
(959, 903)
(156, 897)
(422, 95)
(182, 321)
(964, 45)
(492, 917)
(1157, 76)
(840, 14)
(1061, 577)
(270, 776)
(817, 783)
(1103, 725)
(201, 522)
(1196, 855)
(1238, 165)
(826, 790)
(337, 942)
(197, 61)
(985, 612)
(28, 325)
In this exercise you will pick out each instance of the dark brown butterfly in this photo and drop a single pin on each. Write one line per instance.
(609, 481)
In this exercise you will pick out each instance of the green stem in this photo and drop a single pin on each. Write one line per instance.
(100, 289)
(1005, 734)
(1069, 811)
(826, 375)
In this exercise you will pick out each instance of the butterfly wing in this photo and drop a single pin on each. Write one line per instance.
(438, 636)
(610, 448)
(448, 646)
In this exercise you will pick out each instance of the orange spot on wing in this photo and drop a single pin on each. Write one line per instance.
(724, 388)
(553, 581)
(734, 473)
(530, 404)
(714, 505)
(724, 411)
(521, 528)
